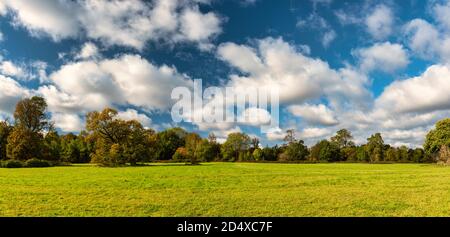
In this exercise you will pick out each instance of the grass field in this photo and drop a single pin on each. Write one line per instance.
(228, 189)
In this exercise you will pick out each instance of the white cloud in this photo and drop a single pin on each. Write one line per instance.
(199, 27)
(131, 114)
(425, 93)
(128, 23)
(423, 38)
(56, 19)
(316, 22)
(276, 63)
(8, 68)
(442, 13)
(309, 133)
(10, 93)
(128, 79)
(380, 22)
(328, 37)
(88, 51)
(68, 122)
(314, 114)
(385, 57)
(255, 116)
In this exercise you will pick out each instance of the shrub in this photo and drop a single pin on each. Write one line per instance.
(37, 163)
(12, 164)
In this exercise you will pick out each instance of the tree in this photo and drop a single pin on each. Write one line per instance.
(270, 153)
(325, 151)
(193, 143)
(403, 154)
(374, 147)
(361, 154)
(24, 144)
(181, 154)
(31, 120)
(343, 138)
(438, 138)
(5, 130)
(290, 136)
(117, 141)
(51, 149)
(295, 151)
(349, 153)
(168, 141)
(235, 144)
(444, 154)
(391, 155)
(31, 115)
(258, 154)
(254, 144)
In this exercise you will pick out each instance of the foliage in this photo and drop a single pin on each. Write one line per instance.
(343, 138)
(438, 137)
(34, 162)
(374, 148)
(5, 130)
(117, 141)
(325, 151)
(12, 164)
(235, 145)
(24, 144)
(168, 141)
(295, 151)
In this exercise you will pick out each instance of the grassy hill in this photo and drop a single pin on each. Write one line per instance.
(228, 189)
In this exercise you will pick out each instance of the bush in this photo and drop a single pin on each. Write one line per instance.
(37, 163)
(12, 164)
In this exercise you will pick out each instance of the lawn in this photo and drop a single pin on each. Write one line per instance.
(228, 189)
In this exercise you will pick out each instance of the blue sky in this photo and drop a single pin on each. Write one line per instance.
(368, 66)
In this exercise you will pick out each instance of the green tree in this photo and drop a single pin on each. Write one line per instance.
(168, 141)
(325, 151)
(117, 141)
(30, 121)
(295, 151)
(343, 138)
(391, 154)
(258, 154)
(235, 144)
(374, 147)
(438, 138)
(5, 130)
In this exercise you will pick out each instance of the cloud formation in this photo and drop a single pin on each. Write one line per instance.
(124, 23)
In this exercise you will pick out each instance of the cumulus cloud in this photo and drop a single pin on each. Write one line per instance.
(380, 22)
(88, 51)
(132, 114)
(129, 79)
(128, 23)
(314, 114)
(425, 93)
(10, 93)
(441, 12)
(385, 57)
(67, 122)
(8, 68)
(422, 37)
(315, 133)
(275, 63)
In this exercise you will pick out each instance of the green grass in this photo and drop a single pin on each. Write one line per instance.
(228, 189)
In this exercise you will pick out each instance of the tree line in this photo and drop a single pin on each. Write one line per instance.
(31, 140)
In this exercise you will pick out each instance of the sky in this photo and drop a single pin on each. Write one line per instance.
(367, 66)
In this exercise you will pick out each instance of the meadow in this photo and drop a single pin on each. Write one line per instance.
(228, 189)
